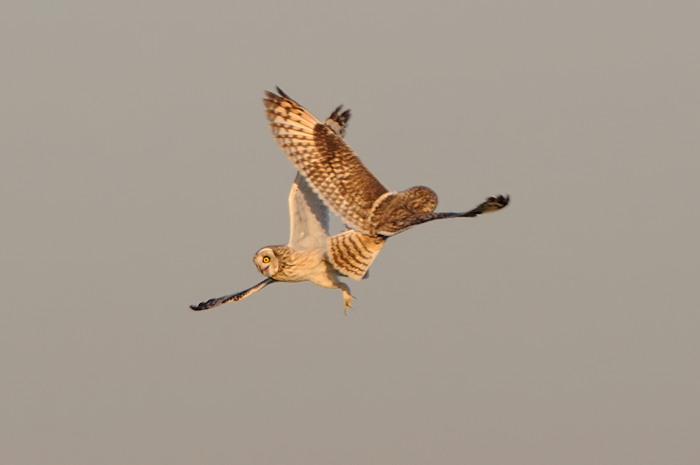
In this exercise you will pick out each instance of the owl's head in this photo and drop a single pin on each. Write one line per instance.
(267, 261)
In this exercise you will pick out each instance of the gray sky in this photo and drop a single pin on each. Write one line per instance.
(138, 176)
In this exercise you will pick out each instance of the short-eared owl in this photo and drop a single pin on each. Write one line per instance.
(331, 175)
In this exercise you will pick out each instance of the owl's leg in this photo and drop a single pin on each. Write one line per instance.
(347, 297)
(330, 280)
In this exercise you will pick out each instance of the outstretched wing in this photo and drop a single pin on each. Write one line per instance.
(211, 303)
(308, 217)
(401, 223)
(331, 168)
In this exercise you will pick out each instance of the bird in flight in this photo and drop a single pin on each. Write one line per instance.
(331, 176)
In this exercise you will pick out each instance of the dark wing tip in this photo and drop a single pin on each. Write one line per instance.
(500, 201)
(338, 121)
(271, 96)
(281, 92)
(338, 116)
(493, 204)
(204, 305)
(336, 112)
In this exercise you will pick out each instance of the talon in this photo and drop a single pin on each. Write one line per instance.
(348, 302)
(347, 297)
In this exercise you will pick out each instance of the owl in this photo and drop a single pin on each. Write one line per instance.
(331, 176)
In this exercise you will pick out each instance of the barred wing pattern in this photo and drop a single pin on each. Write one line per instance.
(352, 252)
(331, 167)
(332, 176)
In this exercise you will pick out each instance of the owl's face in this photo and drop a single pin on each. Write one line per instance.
(267, 262)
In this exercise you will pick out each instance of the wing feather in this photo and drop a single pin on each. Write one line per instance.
(352, 252)
(329, 165)
(308, 217)
(215, 302)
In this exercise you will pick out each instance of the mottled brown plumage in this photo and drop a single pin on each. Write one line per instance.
(328, 164)
(307, 256)
(332, 176)
(340, 179)
(352, 252)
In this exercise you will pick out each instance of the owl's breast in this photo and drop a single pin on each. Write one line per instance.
(306, 265)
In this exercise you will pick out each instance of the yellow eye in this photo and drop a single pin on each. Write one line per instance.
(266, 259)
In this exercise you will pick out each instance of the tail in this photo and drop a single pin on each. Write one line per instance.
(352, 252)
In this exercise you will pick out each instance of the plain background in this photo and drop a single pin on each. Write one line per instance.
(138, 176)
